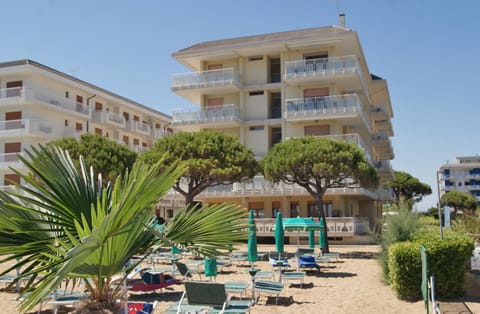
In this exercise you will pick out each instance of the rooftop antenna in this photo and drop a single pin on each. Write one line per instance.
(338, 10)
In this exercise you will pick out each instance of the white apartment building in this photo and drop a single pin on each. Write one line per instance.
(264, 89)
(463, 175)
(39, 104)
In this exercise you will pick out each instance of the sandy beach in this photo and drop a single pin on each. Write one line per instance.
(351, 284)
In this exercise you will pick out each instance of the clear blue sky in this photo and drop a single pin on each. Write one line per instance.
(427, 50)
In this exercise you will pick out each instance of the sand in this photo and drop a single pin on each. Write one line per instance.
(351, 284)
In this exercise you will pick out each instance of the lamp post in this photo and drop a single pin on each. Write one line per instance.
(439, 207)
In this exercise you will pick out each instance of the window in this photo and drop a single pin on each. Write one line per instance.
(275, 72)
(256, 93)
(8, 179)
(275, 136)
(276, 209)
(14, 120)
(169, 213)
(126, 116)
(136, 118)
(66, 122)
(79, 99)
(78, 127)
(256, 128)
(15, 147)
(14, 89)
(294, 209)
(144, 144)
(255, 58)
(257, 208)
(67, 94)
(136, 141)
(317, 130)
(125, 139)
(275, 105)
(98, 106)
(98, 131)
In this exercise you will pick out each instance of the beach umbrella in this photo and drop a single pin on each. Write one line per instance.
(279, 235)
(252, 239)
(300, 224)
(322, 239)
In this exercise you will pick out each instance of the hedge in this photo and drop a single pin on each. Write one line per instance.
(448, 260)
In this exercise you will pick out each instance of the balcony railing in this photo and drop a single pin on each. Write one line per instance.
(24, 127)
(10, 160)
(337, 227)
(321, 67)
(355, 139)
(211, 114)
(109, 117)
(23, 94)
(326, 106)
(260, 186)
(138, 127)
(212, 78)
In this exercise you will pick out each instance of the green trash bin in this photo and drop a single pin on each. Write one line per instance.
(210, 266)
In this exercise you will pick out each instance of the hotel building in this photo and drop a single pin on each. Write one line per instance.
(39, 104)
(463, 176)
(264, 89)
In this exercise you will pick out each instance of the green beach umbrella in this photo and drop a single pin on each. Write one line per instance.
(322, 240)
(300, 224)
(252, 239)
(279, 235)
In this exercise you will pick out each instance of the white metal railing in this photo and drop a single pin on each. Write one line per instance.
(10, 160)
(159, 132)
(11, 93)
(109, 117)
(337, 226)
(210, 114)
(24, 127)
(259, 186)
(139, 127)
(42, 95)
(326, 106)
(222, 77)
(355, 139)
(321, 67)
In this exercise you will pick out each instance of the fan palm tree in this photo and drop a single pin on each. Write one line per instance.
(63, 222)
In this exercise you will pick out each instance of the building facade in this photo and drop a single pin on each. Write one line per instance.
(264, 89)
(39, 104)
(463, 175)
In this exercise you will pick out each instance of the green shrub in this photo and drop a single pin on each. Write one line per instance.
(399, 227)
(448, 260)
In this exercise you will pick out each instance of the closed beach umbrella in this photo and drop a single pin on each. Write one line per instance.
(322, 241)
(252, 239)
(279, 234)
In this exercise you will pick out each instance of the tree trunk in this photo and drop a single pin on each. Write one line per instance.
(319, 200)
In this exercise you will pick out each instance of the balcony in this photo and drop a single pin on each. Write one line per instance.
(379, 113)
(108, 117)
(221, 81)
(10, 160)
(337, 227)
(384, 170)
(138, 127)
(384, 126)
(261, 187)
(159, 133)
(327, 107)
(344, 69)
(355, 139)
(25, 127)
(219, 116)
(17, 95)
(383, 146)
